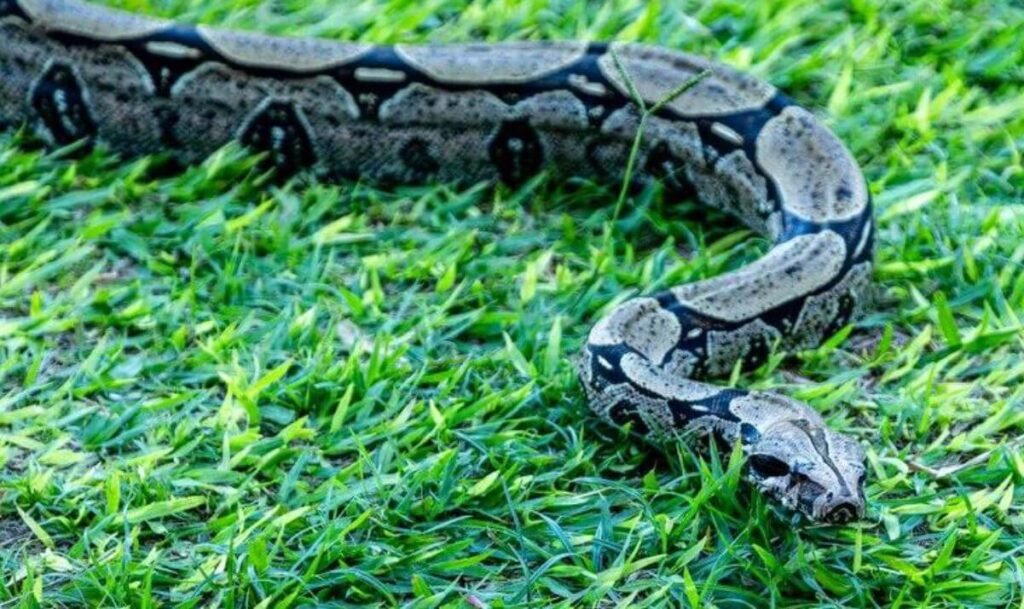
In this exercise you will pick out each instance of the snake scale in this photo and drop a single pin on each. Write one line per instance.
(489, 112)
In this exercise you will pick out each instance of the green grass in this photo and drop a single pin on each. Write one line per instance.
(217, 392)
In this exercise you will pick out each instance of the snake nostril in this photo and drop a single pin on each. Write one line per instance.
(841, 513)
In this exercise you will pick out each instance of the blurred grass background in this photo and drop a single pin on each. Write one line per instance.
(215, 392)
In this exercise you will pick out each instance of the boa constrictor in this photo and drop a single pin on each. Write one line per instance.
(475, 112)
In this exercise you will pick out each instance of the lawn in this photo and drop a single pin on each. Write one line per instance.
(218, 391)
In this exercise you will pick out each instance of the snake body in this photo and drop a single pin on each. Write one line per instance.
(475, 112)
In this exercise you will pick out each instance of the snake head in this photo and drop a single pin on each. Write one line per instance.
(807, 467)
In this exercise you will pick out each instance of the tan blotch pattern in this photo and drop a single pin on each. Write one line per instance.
(88, 20)
(733, 185)
(651, 378)
(798, 266)
(115, 87)
(730, 183)
(508, 62)
(816, 177)
(761, 409)
(291, 54)
(820, 310)
(654, 412)
(727, 348)
(223, 100)
(420, 104)
(641, 323)
(657, 72)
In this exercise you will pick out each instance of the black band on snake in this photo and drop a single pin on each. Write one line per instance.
(467, 113)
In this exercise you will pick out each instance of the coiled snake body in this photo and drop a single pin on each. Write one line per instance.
(475, 112)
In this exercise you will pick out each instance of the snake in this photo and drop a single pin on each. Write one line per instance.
(611, 112)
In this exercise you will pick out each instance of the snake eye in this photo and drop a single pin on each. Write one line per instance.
(768, 466)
